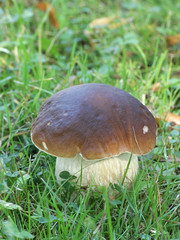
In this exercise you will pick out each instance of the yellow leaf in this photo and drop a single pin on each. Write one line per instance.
(110, 22)
(170, 117)
(101, 22)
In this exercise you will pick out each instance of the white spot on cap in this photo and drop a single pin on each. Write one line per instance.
(65, 114)
(44, 145)
(145, 129)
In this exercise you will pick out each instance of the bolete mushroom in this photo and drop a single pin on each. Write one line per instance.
(92, 129)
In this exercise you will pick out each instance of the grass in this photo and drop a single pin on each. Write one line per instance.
(37, 60)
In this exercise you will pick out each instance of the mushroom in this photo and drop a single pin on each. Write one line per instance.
(96, 132)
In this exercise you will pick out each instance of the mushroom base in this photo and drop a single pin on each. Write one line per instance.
(99, 172)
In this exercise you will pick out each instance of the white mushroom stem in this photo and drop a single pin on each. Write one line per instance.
(99, 172)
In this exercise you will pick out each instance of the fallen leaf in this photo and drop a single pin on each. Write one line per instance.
(52, 15)
(42, 6)
(170, 117)
(156, 87)
(173, 40)
(52, 18)
(101, 22)
(110, 22)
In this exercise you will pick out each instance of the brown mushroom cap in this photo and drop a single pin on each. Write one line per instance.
(96, 120)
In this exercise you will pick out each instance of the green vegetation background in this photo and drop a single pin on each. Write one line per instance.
(37, 60)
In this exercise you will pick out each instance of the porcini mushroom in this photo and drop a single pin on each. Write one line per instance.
(92, 129)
